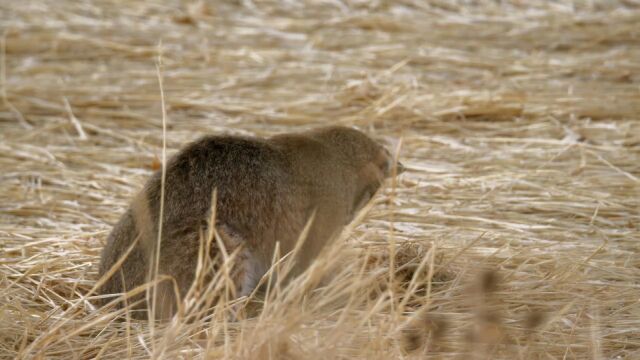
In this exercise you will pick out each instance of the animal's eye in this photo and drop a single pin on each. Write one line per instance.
(385, 166)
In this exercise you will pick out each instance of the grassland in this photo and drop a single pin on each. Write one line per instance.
(514, 234)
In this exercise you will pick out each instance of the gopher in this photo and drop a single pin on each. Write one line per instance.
(267, 190)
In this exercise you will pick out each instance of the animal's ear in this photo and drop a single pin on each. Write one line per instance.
(387, 159)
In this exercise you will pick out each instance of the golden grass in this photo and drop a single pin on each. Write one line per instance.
(514, 234)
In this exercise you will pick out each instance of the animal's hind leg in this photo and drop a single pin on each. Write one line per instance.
(246, 271)
(165, 301)
(251, 273)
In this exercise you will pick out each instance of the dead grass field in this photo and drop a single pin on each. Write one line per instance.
(514, 234)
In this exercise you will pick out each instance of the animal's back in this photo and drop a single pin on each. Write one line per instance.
(248, 175)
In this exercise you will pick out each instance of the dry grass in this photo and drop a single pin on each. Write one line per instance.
(514, 234)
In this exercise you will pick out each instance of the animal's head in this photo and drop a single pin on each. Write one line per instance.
(371, 161)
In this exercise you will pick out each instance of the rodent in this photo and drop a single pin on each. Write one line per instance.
(266, 191)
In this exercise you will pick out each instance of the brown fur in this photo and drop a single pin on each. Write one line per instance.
(266, 191)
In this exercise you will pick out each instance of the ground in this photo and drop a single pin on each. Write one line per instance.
(513, 234)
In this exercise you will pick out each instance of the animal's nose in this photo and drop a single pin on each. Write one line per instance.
(400, 168)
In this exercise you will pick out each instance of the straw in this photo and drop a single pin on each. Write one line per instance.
(513, 233)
